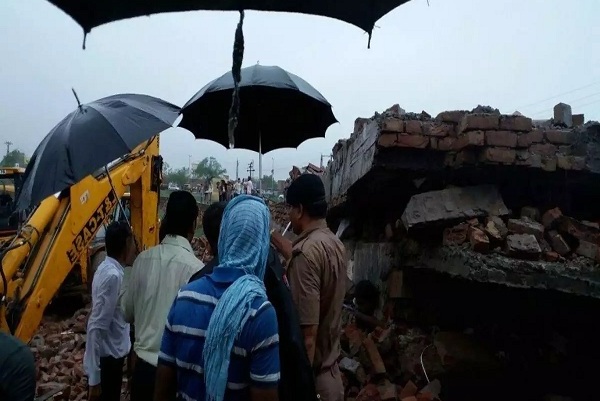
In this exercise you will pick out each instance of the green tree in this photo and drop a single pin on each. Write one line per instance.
(13, 158)
(209, 168)
(178, 176)
(268, 182)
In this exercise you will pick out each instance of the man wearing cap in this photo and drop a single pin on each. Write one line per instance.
(317, 275)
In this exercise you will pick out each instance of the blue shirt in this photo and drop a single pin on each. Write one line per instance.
(255, 354)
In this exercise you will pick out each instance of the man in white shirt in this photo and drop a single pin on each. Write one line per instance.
(108, 341)
(249, 186)
(156, 276)
(237, 187)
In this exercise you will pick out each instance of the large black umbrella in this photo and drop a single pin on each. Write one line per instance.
(277, 110)
(90, 137)
(361, 13)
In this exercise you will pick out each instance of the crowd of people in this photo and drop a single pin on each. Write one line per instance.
(245, 326)
(227, 190)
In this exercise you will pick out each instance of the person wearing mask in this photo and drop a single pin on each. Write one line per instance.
(108, 341)
(156, 276)
(317, 275)
(221, 339)
(17, 370)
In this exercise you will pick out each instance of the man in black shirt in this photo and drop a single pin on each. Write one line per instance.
(297, 380)
(17, 370)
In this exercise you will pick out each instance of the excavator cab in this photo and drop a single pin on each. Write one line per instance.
(11, 180)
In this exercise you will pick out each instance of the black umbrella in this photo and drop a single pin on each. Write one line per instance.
(361, 13)
(92, 136)
(277, 110)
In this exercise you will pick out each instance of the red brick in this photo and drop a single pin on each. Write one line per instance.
(409, 390)
(374, 357)
(560, 136)
(551, 256)
(392, 125)
(505, 139)
(453, 117)
(472, 138)
(475, 122)
(526, 227)
(479, 241)
(413, 127)
(565, 162)
(550, 217)
(578, 120)
(446, 143)
(589, 250)
(516, 123)
(498, 155)
(388, 392)
(438, 129)
(544, 149)
(403, 141)
(525, 140)
(456, 235)
(579, 230)
(558, 243)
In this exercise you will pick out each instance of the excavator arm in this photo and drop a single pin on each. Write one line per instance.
(58, 232)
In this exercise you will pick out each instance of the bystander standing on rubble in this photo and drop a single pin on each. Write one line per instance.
(156, 276)
(222, 314)
(317, 276)
(108, 341)
(17, 370)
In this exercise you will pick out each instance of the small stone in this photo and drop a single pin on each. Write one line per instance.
(523, 246)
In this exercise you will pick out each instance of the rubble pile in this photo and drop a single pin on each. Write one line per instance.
(550, 236)
(58, 349)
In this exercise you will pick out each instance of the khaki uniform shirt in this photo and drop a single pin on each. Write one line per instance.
(317, 278)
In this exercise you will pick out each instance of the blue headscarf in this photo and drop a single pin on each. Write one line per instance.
(243, 244)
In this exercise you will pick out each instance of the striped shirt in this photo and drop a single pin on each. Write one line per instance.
(255, 354)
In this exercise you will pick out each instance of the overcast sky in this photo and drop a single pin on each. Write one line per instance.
(450, 54)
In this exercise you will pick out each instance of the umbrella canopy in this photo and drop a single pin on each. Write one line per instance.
(277, 110)
(89, 138)
(361, 13)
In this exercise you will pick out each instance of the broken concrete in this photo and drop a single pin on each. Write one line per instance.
(453, 204)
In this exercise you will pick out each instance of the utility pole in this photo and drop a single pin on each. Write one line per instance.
(237, 169)
(8, 144)
(326, 157)
(272, 175)
(250, 169)
(190, 165)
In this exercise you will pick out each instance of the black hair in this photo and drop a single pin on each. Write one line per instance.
(308, 190)
(116, 237)
(211, 223)
(367, 291)
(181, 214)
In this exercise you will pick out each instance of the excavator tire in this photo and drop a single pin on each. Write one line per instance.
(93, 266)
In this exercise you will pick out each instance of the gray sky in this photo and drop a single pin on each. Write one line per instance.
(452, 54)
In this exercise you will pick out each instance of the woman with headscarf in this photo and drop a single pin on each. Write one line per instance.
(221, 339)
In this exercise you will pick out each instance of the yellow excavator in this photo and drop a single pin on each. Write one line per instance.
(11, 179)
(55, 242)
